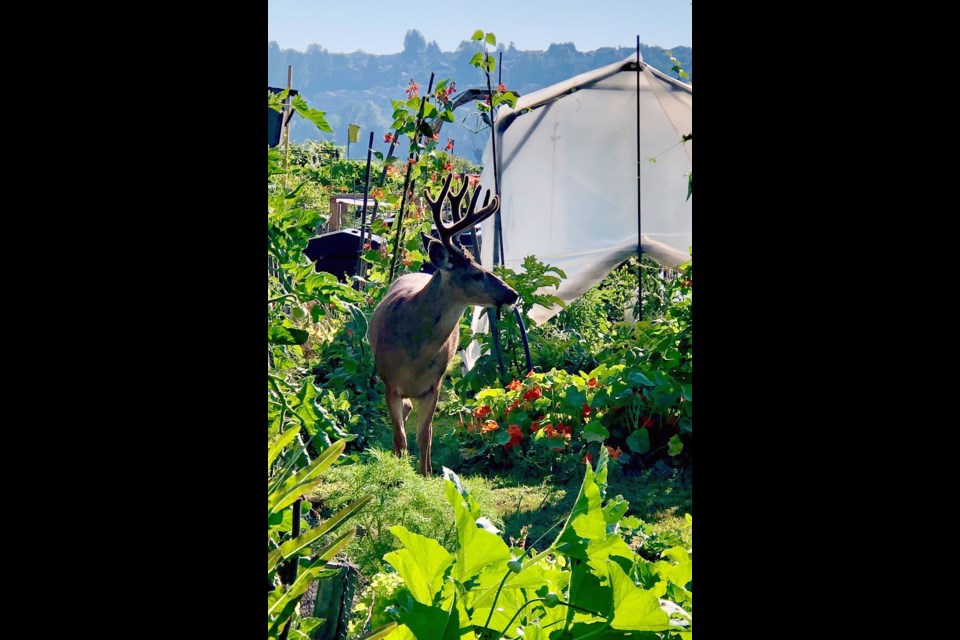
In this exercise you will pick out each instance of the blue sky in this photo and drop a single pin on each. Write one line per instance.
(374, 26)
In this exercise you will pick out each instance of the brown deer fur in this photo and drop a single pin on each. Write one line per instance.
(415, 329)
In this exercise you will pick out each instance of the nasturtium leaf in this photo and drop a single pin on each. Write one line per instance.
(595, 432)
(639, 441)
(676, 446)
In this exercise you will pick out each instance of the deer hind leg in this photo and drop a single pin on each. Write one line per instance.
(398, 409)
(427, 406)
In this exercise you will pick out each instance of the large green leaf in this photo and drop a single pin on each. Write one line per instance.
(277, 334)
(426, 622)
(477, 548)
(634, 608)
(285, 438)
(290, 547)
(311, 114)
(676, 566)
(296, 485)
(421, 563)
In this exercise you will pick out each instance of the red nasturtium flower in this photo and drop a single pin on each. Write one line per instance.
(587, 458)
(614, 453)
(549, 431)
(533, 394)
(448, 166)
(516, 435)
(488, 426)
(586, 411)
(592, 383)
(482, 412)
(645, 421)
(516, 385)
(389, 137)
(534, 427)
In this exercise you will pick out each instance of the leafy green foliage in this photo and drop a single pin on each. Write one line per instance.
(400, 497)
(587, 582)
(290, 477)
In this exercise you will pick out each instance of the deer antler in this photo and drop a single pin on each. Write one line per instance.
(470, 219)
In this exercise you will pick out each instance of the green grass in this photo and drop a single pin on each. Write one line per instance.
(521, 505)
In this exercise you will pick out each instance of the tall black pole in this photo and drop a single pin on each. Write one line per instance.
(639, 244)
(363, 219)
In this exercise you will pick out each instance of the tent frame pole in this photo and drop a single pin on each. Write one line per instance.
(639, 243)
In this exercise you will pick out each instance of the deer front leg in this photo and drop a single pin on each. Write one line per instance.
(398, 409)
(428, 404)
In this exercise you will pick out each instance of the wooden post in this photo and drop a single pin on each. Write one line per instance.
(332, 600)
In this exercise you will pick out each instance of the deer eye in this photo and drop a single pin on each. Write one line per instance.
(477, 276)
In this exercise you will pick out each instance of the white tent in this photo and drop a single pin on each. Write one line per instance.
(568, 177)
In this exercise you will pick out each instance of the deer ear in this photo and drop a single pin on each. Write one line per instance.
(439, 256)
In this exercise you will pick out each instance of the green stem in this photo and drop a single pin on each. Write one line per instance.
(495, 598)
(561, 602)
(286, 406)
(281, 298)
(504, 632)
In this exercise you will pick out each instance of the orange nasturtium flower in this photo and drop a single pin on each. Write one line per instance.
(614, 453)
(592, 383)
(515, 385)
(488, 426)
(482, 412)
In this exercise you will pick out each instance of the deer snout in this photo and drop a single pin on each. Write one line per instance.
(509, 296)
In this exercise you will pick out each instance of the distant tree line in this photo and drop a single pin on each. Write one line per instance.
(357, 87)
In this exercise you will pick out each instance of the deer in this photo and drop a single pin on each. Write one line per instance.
(415, 329)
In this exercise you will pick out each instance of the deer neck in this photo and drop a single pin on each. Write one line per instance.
(439, 308)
